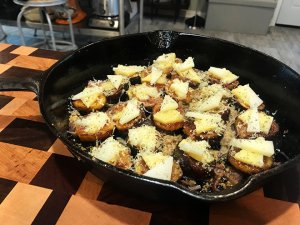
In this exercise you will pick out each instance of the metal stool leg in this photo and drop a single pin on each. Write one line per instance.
(2, 34)
(20, 26)
(50, 29)
(71, 29)
(43, 24)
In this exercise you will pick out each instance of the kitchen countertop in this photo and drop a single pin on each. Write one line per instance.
(41, 183)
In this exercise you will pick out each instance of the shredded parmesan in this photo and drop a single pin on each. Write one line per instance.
(144, 138)
(93, 122)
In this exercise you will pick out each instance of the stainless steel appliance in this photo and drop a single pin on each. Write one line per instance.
(105, 14)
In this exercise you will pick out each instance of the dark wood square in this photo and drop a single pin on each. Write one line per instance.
(60, 173)
(4, 100)
(29, 134)
(5, 187)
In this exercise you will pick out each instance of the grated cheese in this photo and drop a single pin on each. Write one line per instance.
(93, 122)
(211, 102)
(144, 138)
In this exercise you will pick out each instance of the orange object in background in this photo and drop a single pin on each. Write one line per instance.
(77, 16)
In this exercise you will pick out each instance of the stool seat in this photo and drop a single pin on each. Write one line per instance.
(41, 5)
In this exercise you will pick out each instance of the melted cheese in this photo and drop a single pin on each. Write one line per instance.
(187, 64)
(222, 74)
(168, 104)
(191, 75)
(127, 71)
(130, 112)
(162, 170)
(250, 158)
(89, 95)
(258, 145)
(198, 150)
(144, 138)
(165, 61)
(168, 117)
(116, 80)
(205, 122)
(93, 122)
(180, 88)
(264, 121)
(109, 151)
(246, 96)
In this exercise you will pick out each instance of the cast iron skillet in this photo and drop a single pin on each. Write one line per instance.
(277, 84)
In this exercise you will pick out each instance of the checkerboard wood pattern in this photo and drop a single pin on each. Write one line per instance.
(41, 183)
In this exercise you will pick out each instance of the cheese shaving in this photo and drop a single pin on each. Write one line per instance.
(222, 74)
(246, 96)
(89, 95)
(116, 80)
(168, 104)
(130, 112)
(180, 88)
(198, 150)
(93, 122)
(127, 71)
(187, 64)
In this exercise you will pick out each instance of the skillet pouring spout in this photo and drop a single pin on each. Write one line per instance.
(277, 84)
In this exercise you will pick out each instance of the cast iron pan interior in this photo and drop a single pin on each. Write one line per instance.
(277, 84)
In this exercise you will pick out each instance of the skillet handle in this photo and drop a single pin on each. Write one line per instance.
(18, 83)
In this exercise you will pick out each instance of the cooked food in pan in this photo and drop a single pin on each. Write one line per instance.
(172, 121)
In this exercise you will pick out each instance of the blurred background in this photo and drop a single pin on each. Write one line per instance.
(270, 26)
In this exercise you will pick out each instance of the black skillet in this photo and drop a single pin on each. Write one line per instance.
(277, 84)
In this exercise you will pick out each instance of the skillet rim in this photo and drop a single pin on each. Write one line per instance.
(248, 184)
